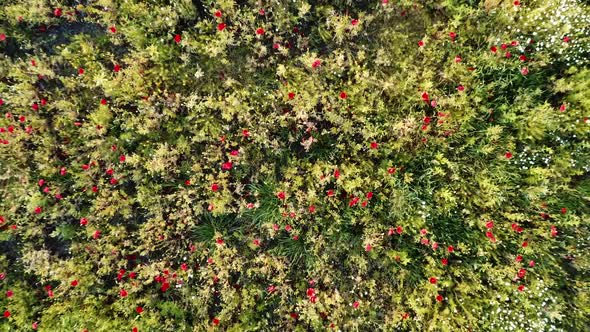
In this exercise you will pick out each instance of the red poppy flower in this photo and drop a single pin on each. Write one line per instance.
(260, 31)
(439, 298)
(432, 280)
(9, 293)
(458, 59)
(562, 108)
(177, 38)
(508, 155)
(218, 13)
(374, 145)
(35, 106)
(221, 26)
(74, 283)
(165, 286)
(532, 263)
(521, 273)
(354, 21)
(508, 55)
(291, 95)
(6, 314)
(2, 37)
(113, 29)
(330, 193)
(368, 247)
(420, 43)
(123, 293)
(450, 249)
(521, 288)
(316, 63)
(391, 170)
(518, 258)
(294, 315)
(444, 261)
(227, 165)
(343, 95)
(281, 195)
(425, 96)
(490, 236)
(494, 49)
(369, 195)
(525, 244)
(116, 68)
(353, 201)
(38, 210)
(452, 35)
(522, 57)
(355, 304)
(524, 71)
(563, 210)
(489, 224)
(215, 321)
(80, 71)
(461, 88)
(122, 158)
(57, 12)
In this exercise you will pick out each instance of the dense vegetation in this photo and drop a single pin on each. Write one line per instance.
(294, 165)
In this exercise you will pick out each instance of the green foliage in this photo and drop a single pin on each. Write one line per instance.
(169, 167)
